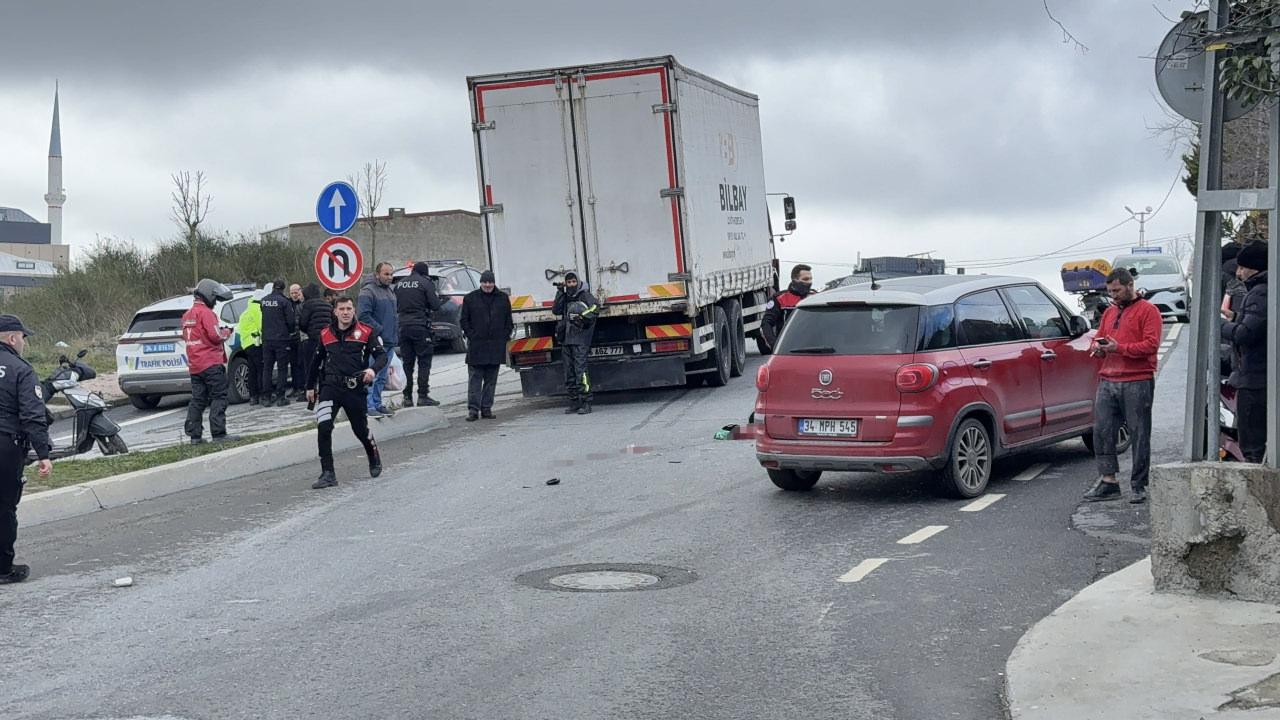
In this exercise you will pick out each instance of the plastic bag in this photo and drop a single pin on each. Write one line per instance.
(395, 373)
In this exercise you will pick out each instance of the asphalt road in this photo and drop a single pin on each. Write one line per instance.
(399, 597)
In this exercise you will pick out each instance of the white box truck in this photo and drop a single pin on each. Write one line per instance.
(647, 179)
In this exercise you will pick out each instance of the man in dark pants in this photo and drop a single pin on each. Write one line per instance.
(314, 316)
(297, 369)
(578, 310)
(23, 425)
(207, 362)
(1128, 339)
(486, 322)
(1245, 328)
(279, 323)
(416, 302)
(348, 358)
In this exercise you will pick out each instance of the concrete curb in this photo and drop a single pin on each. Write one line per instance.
(1120, 650)
(275, 454)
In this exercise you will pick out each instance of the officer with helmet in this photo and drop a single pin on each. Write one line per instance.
(577, 309)
(207, 362)
(23, 426)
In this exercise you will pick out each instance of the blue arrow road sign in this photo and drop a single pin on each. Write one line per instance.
(337, 208)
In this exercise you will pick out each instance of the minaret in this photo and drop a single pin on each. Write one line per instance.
(56, 195)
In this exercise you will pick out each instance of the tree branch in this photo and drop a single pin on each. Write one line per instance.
(1067, 37)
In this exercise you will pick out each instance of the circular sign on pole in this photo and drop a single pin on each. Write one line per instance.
(339, 263)
(1180, 67)
(337, 208)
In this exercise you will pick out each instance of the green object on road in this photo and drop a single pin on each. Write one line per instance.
(724, 434)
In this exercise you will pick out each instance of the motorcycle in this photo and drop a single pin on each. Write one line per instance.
(91, 424)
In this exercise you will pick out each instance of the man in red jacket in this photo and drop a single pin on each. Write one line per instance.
(207, 362)
(1128, 340)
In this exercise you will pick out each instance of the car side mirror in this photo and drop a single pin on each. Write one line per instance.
(1079, 326)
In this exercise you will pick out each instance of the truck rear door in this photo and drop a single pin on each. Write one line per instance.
(529, 184)
(627, 163)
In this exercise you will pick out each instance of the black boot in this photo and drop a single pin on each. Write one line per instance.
(408, 400)
(427, 401)
(16, 575)
(472, 416)
(584, 409)
(487, 414)
(326, 479)
(375, 462)
(574, 406)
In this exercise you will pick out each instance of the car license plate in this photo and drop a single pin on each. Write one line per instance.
(609, 351)
(829, 428)
(151, 348)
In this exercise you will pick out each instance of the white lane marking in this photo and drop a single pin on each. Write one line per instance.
(861, 570)
(134, 421)
(1175, 331)
(823, 615)
(922, 534)
(1031, 473)
(983, 502)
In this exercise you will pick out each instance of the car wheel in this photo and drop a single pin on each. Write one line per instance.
(722, 356)
(238, 371)
(968, 467)
(795, 480)
(1123, 440)
(145, 402)
(737, 338)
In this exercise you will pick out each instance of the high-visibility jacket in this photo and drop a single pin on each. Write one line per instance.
(249, 328)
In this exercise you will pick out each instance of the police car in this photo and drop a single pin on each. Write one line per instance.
(453, 279)
(151, 356)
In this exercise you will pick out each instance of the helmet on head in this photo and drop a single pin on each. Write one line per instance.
(576, 310)
(212, 291)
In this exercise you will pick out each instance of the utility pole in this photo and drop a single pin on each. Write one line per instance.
(1141, 217)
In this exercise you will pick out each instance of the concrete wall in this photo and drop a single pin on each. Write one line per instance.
(1215, 530)
(402, 238)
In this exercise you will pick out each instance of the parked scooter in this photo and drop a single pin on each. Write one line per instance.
(91, 423)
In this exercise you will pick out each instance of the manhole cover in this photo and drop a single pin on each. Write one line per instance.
(607, 577)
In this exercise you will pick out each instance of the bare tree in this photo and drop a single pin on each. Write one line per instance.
(1067, 37)
(190, 207)
(369, 183)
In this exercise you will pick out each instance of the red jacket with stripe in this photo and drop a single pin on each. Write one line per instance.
(1136, 328)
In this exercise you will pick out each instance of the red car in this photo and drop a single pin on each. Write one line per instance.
(940, 373)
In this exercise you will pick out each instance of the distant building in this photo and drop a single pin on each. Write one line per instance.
(20, 273)
(883, 268)
(406, 237)
(25, 237)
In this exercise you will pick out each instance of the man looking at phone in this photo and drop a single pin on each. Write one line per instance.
(1128, 340)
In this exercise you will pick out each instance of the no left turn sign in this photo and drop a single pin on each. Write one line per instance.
(339, 264)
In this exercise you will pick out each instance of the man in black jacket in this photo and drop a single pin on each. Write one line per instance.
(279, 323)
(297, 369)
(577, 309)
(416, 302)
(486, 321)
(313, 317)
(23, 425)
(1246, 329)
(778, 310)
(349, 356)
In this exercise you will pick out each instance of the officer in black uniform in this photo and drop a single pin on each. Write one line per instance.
(23, 426)
(279, 327)
(342, 370)
(416, 302)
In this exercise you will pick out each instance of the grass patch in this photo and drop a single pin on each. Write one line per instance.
(74, 472)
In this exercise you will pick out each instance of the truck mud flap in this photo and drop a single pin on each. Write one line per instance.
(548, 380)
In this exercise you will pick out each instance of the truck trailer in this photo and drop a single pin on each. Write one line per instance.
(647, 180)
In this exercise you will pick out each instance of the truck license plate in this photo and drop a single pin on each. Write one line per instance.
(608, 351)
(151, 348)
(829, 428)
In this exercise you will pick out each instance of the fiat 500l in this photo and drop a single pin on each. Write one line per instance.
(937, 373)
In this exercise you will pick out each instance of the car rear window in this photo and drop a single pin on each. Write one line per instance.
(851, 330)
(157, 321)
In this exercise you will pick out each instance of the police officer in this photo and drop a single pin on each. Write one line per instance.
(342, 369)
(279, 325)
(778, 310)
(23, 425)
(416, 302)
(577, 309)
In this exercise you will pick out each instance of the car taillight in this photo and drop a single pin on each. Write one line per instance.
(762, 378)
(533, 358)
(916, 377)
(455, 299)
(666, 346)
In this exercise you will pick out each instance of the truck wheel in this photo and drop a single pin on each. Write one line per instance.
(969, 461)
(238, 372)
(737, 337)
(795, 480)
(722, 357)
(145, 402)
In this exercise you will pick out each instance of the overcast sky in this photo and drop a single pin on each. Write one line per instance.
(965, 128)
